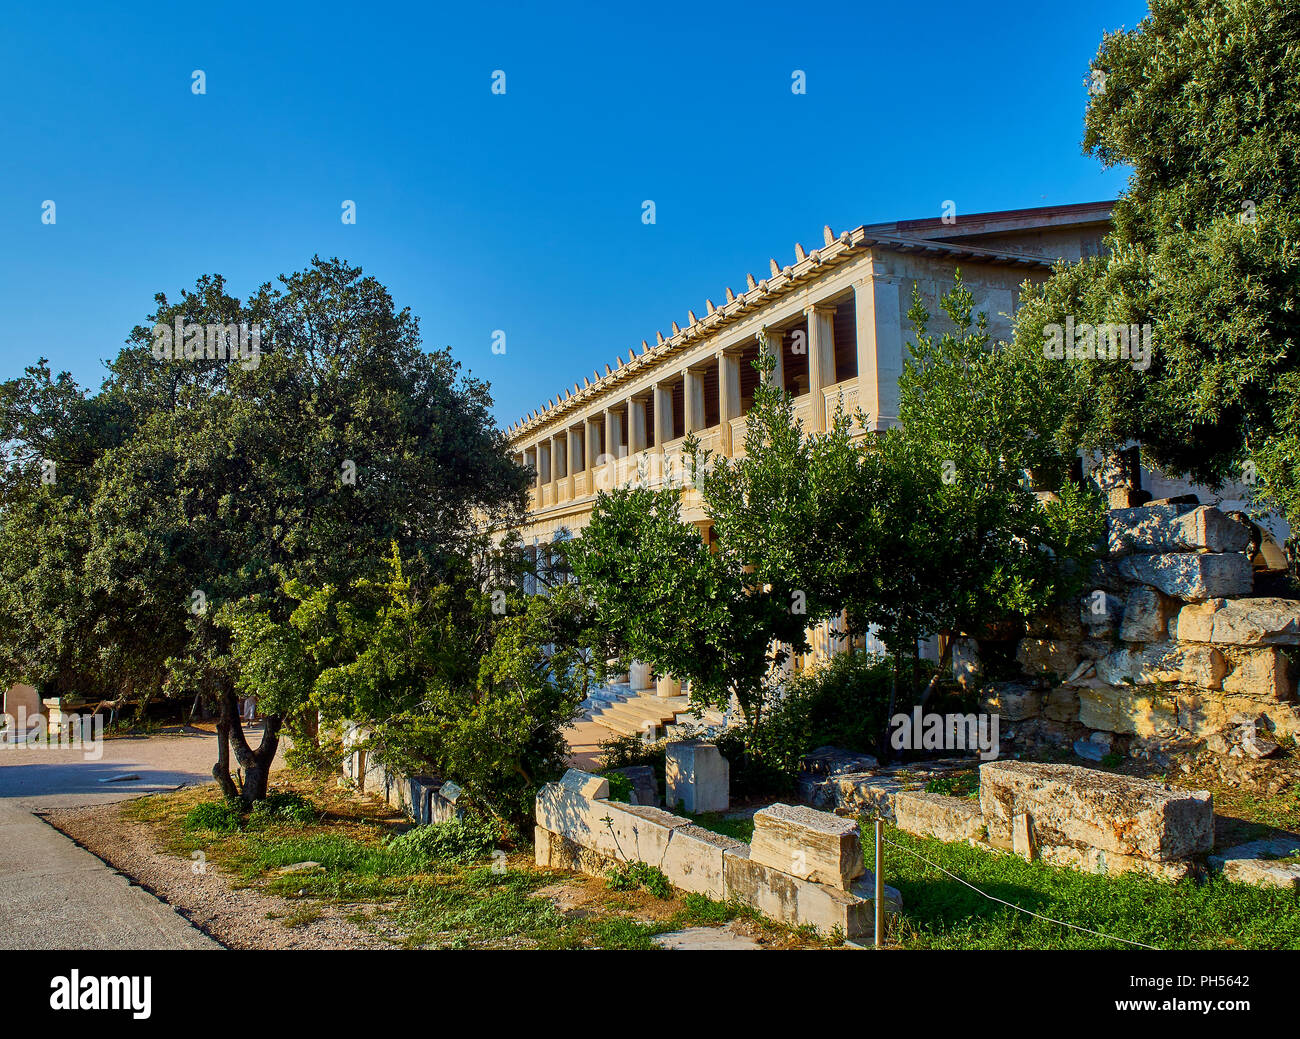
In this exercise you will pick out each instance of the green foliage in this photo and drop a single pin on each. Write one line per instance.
(217, 816)
(285, 807)
(620, 787)
(688, 611)
(940, 913)
(626, 751)
(320, 753)
(963, 784)
(843, 703)
(633, 876)
(702, 911)
(445, 682)
(967, 541)
(464, 840)
(276, 809)
(187, 485)
(739, 827)
(1202, 101)
(928, 528)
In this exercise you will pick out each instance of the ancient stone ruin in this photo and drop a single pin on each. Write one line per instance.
(1166, 648)
(804, 867)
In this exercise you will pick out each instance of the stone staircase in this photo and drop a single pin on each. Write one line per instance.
(629, 712)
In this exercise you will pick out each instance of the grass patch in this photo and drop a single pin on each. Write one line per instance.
(958, 784)
(739, 828)
(448, 886)
(940, 913)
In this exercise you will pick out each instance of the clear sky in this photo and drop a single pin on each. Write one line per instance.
(519, 211)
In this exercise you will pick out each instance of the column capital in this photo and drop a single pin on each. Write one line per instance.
(821, 307)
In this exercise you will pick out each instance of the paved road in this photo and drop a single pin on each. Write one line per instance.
(56, 895)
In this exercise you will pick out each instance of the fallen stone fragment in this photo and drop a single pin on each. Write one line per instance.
(1190, 576)
(1083, 808)
(1154, 529)
(808, 844)
(1258, 863)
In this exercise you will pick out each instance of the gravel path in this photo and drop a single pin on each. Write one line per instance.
(237, 918)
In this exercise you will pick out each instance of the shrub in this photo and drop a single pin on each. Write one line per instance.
(217, 816)
(456, 840)
(631, 876)
(844, 703)
(620, 786)
(285, 807)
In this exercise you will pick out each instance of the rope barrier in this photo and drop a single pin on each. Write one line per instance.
(1012, 905)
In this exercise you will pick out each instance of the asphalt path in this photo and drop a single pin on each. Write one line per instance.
(55, 894)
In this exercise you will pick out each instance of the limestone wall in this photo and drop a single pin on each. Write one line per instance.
(1082, 818)
(1167, 645)
(804, 867)
(426, 799)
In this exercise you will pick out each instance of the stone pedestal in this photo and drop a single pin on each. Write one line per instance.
(24, 698)
(698, 777)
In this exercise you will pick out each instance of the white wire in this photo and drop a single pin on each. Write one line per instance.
(1012, 905)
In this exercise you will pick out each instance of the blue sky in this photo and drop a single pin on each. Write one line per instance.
(521, 211)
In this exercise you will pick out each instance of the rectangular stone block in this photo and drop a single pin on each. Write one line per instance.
(585, 783)
(397, 791)
(694, 860)
(1083, 808)
(1048, 656)
(442, 808)
(1154, 529)
(1241, 622)
(1263, 673)
(645, 787)
(1012, 701)
(542, 846)
(1127, 709)
(808, 844)
(1146, 615)
(1164, 662)
(422, 788)
(1190, 576)
(562, 808)
(555, 851)
(637, 833)
(1062, 704)
(698, 777)
(936, 815)
(374, 779)
(794, 901)
(1265, 863)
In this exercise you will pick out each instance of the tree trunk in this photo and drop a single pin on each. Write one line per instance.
(221, 770)
(945, 661)
(885, 748)
(255, 763)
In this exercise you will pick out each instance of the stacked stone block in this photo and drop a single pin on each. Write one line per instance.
(1166, 645)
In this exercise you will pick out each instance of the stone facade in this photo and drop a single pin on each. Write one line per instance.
(1167, 646)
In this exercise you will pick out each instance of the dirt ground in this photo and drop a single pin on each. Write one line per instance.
(238, 918)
